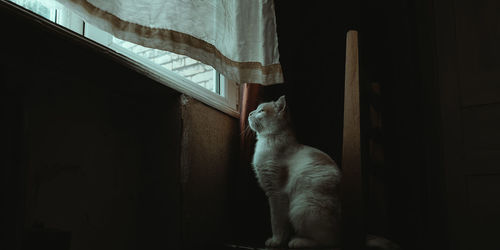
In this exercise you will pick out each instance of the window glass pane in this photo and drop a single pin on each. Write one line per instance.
(197, 72)
(44, 8)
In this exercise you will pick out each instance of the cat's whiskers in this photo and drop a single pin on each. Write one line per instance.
(247, 130)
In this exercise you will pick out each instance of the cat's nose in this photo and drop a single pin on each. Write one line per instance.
(251, 113)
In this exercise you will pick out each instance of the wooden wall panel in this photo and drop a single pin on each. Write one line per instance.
(468, 55)
(483, 193)
(208, 152)
(478, 44)
(481, 128)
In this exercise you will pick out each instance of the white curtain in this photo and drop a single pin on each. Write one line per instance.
(236, 37)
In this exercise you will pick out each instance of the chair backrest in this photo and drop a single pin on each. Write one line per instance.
(353, 231)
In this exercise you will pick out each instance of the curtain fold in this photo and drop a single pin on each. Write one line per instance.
(251, 93)
(237, 38)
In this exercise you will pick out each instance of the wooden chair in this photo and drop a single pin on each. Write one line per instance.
(353, 229)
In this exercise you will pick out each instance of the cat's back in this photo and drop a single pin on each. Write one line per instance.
(310, 156)
(312, 165)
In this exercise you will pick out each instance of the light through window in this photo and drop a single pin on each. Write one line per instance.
(197, 72)
(46, 9)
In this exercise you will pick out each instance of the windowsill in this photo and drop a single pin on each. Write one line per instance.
(199, 93)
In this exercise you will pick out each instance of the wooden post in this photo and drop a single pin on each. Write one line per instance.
(353, 231)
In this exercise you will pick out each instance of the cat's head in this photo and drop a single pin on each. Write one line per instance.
(269, 117)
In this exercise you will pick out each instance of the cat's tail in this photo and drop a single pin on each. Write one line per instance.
(380, 243)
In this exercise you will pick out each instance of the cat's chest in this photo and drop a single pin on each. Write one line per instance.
(265, 155)
(268, 163)
(270, 169)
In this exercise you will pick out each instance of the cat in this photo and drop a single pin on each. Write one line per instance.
(301, 182)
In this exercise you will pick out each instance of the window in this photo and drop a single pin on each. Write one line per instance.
(197, 72)
(177, 71)
(42, 8)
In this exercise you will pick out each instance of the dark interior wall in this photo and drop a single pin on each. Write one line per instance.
(396, 189)
(312, 54)
(102, 163)
(98, 156)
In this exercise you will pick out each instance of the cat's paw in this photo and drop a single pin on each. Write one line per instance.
(275, 242)
(301, 243)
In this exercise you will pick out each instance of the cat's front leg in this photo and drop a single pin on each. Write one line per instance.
(279, 204)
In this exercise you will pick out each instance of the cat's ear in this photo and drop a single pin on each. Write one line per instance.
(281, 104)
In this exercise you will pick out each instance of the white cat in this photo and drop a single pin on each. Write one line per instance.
(301, 182)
